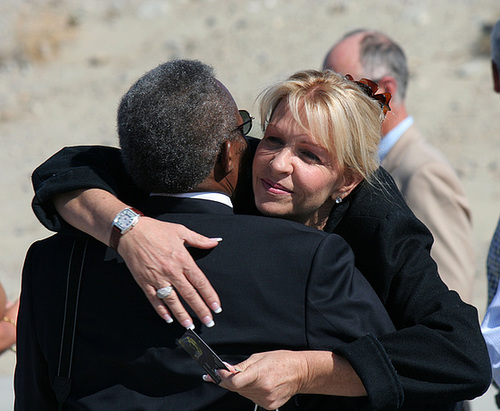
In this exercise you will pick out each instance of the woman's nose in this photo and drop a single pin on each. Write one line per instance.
(281, 162)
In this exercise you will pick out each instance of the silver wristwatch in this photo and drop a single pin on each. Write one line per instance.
(124, 221)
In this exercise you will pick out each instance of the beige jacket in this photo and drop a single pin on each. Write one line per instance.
(436, 196)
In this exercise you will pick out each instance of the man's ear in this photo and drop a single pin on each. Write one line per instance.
(496, 76)
(387, 84)
(225, 161)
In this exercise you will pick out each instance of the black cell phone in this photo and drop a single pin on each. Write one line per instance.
(202, 354)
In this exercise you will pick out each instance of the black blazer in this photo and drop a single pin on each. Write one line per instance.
(392, 249)
(282, 286)
(437, 356)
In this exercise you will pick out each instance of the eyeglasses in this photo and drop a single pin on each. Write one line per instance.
(246, 126)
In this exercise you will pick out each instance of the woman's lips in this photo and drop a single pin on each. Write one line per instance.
(274, 188)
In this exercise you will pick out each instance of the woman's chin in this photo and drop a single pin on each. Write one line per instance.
(271, 209)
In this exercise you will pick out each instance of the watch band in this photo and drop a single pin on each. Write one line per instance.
(117, 233)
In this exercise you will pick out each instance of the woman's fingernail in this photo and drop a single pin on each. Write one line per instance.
(216, 308)
(229, 367)
(188, 324)
(208, 321)
(218, 239)
(168, 319)
(206, 378)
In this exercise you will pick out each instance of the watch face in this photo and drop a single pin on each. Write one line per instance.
(125, 219)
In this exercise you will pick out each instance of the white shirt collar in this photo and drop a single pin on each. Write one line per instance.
(203, 195)
(392, 137)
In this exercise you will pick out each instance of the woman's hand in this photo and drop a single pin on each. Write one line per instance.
(156, 255)
(154, 251)
(271, 378)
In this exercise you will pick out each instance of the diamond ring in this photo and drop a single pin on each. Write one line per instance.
(164, 292)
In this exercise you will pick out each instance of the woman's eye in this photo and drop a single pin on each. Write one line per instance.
(311, 156)
(273, 140)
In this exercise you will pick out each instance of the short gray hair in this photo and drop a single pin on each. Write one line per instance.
(171, 126)
(380, 56)
(495, 44)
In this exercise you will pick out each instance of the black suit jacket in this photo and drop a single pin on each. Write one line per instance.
(282, 285)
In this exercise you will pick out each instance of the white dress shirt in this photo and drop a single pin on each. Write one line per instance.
(202, 195)
(392, 137)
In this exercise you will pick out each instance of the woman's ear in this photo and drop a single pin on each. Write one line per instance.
(351, 181)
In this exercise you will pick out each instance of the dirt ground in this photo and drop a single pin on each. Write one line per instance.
(64, 64)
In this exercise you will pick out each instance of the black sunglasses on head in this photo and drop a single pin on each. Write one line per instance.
(246, 126)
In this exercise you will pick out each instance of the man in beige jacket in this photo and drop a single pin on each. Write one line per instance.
(424, 176)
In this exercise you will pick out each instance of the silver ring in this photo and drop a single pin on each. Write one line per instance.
(164, 292)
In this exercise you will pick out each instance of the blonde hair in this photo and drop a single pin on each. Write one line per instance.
(336, 111)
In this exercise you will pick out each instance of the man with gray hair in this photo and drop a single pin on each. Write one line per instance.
(426, 179)
(491, 322)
